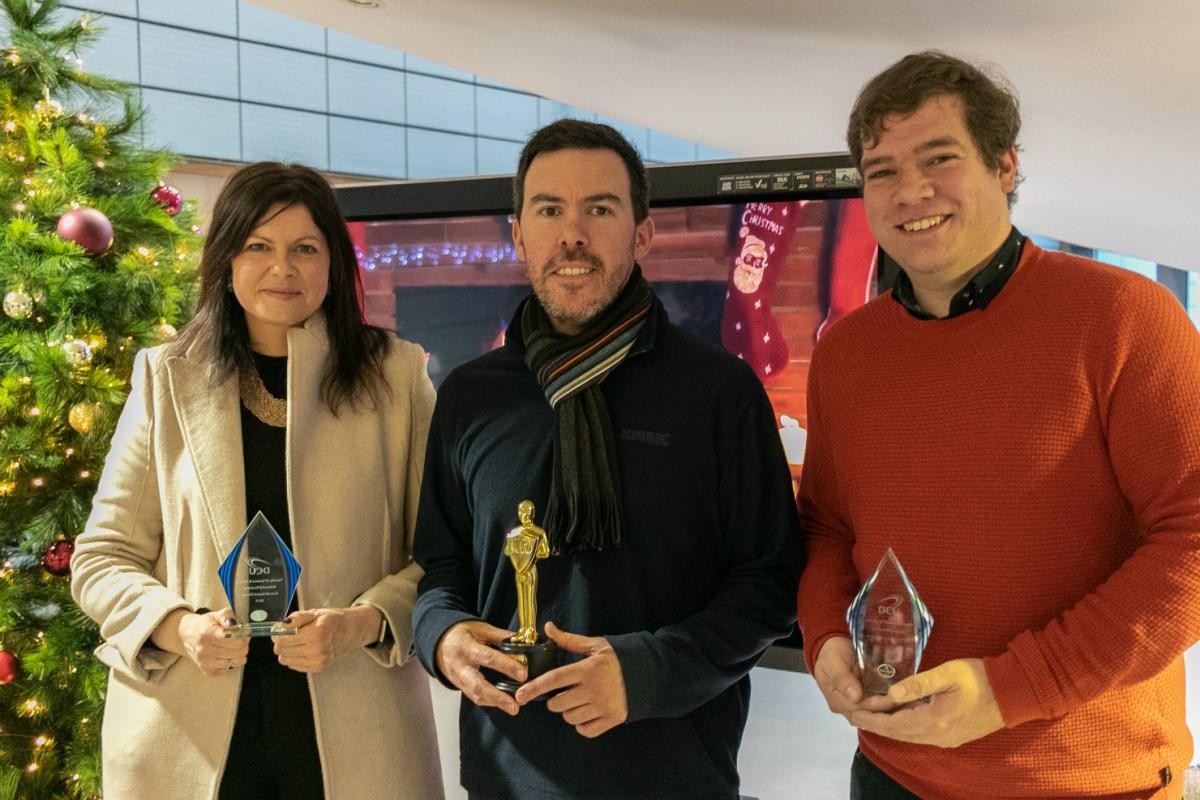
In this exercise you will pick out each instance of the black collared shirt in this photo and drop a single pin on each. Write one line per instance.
(978, 292)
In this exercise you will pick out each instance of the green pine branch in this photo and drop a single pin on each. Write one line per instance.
(60, 150)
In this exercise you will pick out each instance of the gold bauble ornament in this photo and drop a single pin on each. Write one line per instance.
(96, 341)
(78, 353)
(47, 109)
(82, 416)
(165, 331)
(18, 304)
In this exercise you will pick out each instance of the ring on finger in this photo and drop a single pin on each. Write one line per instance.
(229, 663)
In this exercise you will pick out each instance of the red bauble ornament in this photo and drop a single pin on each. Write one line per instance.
(87, 228)
(168, 197)
(10, 665)
(57, 558)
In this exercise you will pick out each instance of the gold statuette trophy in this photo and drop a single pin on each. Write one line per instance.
(524, 546)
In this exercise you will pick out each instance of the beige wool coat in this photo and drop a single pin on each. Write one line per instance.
(171, 505)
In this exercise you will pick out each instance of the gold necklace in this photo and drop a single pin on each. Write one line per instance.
(269, 409)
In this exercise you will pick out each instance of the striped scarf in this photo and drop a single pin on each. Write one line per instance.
(584, 508)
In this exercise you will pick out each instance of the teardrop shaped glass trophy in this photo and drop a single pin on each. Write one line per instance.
(260, 576)
(889, 627)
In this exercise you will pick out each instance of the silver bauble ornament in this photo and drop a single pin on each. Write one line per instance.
(77, 352)
(18, 304)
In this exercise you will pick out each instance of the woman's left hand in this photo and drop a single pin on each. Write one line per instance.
(323, 634)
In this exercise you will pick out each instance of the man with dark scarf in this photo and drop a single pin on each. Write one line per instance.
(668, 509)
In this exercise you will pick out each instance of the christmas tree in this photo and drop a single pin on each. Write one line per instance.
(97, 260)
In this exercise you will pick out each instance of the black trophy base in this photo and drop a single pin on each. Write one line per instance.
(538, 658)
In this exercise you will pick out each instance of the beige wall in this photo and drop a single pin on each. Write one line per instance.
(201, 182)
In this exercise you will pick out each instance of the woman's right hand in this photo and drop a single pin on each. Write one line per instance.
(201, 638)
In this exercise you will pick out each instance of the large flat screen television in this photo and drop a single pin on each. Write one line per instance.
(758, 256)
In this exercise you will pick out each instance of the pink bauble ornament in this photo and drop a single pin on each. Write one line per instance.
(87, 228)
(57, 558)
(168, 197)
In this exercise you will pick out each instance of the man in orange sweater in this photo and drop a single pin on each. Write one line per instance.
(1023, 429)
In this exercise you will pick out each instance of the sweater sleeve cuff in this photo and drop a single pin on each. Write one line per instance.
(429, 631)
(635, 652)
(399, 648)
(812, 647)
(130, 650)
(1023, 684)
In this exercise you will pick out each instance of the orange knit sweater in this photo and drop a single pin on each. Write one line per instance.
(1036, 467)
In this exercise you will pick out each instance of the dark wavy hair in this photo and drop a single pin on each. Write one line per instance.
(218, 330)
(567, 134)
(990, 107)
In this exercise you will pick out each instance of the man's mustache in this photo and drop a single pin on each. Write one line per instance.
(577, 255)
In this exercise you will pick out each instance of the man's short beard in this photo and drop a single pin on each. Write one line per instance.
(560, 315)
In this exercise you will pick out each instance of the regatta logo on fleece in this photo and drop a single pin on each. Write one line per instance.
(646, 437)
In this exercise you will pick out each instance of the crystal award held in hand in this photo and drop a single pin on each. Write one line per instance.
(259, 576)
(889, 626)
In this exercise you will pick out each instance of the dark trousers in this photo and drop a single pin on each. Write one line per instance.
(869, 782)
(273, 754)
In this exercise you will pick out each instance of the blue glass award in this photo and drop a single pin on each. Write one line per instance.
(889, 627)
(260, 576)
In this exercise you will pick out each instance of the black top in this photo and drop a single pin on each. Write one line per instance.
(978, 292)
(703, 582)
(265, 460)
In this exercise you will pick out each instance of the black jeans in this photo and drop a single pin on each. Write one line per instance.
(869, 782)
(273, 754)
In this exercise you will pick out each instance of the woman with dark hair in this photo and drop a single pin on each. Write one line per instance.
(276, 398)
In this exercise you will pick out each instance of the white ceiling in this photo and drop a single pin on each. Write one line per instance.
(1110, 89)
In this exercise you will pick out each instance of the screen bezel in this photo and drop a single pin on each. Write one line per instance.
(671, 185)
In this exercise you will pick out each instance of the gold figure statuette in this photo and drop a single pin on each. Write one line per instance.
(524, 547)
